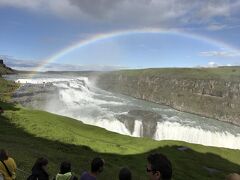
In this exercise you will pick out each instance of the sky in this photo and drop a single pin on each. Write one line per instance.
(111, 34)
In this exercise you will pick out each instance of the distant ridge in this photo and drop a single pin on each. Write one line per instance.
(229, 66)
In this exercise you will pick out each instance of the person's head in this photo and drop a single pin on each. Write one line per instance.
(65, 167)
(3, 155)
(97, 165)
(159, 167)
(233, 176)
(41, 163)
(125, 174)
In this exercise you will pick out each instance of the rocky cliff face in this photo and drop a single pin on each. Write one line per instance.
(210, 96)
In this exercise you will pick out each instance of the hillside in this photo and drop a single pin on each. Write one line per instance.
(209, 92)
(4, 69)
(28, 134)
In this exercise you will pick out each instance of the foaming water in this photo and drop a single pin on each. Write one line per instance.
(78, 98)
(175, 131)
(138, 129)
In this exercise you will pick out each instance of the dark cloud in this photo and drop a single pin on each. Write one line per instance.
(158, 13)
(138, 13)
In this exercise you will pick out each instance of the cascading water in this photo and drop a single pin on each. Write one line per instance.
(138, 129)
(78, 98)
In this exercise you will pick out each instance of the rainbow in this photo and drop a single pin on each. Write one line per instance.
(100, 37)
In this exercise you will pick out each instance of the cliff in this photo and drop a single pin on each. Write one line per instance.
(212, 92)
(4, 69)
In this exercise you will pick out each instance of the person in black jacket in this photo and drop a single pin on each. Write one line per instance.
(159, 167)
(125, 174)
(39, 170)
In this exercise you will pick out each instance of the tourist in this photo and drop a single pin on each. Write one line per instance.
(1, 110)
(233, 176)
(65, 172)
(96, 168)
(39, 170)
(159, 167)
(7, 166)
(125, 174)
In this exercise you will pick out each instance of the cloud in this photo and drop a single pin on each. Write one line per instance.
(212, 64)
(220, 54)
(216, 27)
(61, 8)
(31, 66)
(138, 13)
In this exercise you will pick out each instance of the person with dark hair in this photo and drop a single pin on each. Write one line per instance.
(39, 170)
(159, 167)
(1, 110)
(96, 168)
(125, 174)
(7, 166)
(65, 172)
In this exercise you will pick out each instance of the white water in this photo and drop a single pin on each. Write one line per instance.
(80, 99)
(138, 129)
(175, 131)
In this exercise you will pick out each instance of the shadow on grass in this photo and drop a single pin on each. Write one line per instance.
(8, 106)
(187, 164)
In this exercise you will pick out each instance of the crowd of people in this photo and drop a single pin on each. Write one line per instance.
(158, 168)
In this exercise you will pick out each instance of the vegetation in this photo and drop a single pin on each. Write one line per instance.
(225, 73)
(4, 69)
(6, 88)
(29, 134)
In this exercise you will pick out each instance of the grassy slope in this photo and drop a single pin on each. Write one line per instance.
(4, 70)
(6, 88)
(29, 134)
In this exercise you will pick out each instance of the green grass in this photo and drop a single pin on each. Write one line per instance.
(224, 73)
(6, 89)
(29, 134)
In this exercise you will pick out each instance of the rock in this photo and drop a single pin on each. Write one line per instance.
(149, 121)
(197, 91)
(183, 148)
(211, 170)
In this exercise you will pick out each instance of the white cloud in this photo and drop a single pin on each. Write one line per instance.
(220, 54)
(212, 64)
(216, 27)
(33, 65)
